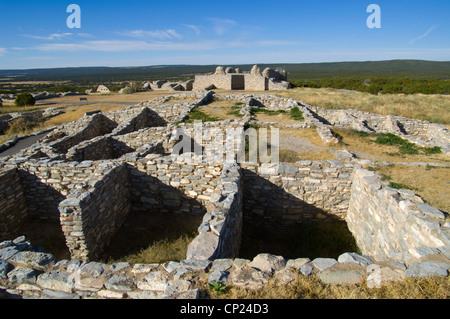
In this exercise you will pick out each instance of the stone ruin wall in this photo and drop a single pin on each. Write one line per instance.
(224, 194)
(285, 194)
(422, 133)
(13, 205)
(91, 217)
(231, 79)
(395, 224)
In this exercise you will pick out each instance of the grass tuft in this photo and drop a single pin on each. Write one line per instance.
(296, 114)
(197, 115)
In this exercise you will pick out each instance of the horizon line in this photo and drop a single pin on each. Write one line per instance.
(227, 64)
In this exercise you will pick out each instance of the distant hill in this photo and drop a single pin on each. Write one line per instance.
(392, 68)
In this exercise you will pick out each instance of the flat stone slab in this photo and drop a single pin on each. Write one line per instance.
(33, 259)
(8, 252)
(249, 278)
(22, 275)
(56, 280)
(355, 258)
(218, 276)
(154, 281)
(268, 263)
(120, 283)
(382, 275)
(93, 269)
(297, 263)
(203, 246)
(4, 266)
(324, 263)
(306, 269)
(428, 268)
(341, 277)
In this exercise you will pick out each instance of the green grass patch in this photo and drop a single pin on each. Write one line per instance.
(235, 110)
(404, 146)
(197, 115)
(296, 114)
(255, 110)
(387, 178)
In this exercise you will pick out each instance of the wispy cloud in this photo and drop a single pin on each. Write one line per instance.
(125, 46)
(221, 26)
(54, 36)
(424, 35)
(197, 29)
(141, 45)
(159, 34)
(3, 51)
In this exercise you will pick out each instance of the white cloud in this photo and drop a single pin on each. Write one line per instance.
(197, 29)
(3, 51)
(126, 46)
(221, 26)
(141, 45)
(159, 34)
(424, 35)
(54, 36)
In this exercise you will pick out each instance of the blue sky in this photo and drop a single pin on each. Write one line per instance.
(34, 34)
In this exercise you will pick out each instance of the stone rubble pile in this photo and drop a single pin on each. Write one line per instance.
(28, 272)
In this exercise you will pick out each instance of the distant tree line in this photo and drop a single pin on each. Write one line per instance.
(376, 85)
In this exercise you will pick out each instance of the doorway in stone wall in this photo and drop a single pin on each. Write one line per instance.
(238, 82)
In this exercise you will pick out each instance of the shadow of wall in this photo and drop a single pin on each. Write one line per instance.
(277, 222)
(158, 212)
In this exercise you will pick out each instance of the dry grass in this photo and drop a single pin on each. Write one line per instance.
(162, 251)
(112, 97)
(432, 184)
(221, 109)
(365, 147)
(284, 118)
(433, 108)
(73, 113)
(312, 288)
(148, 238)
(11, 108)
(311, 146)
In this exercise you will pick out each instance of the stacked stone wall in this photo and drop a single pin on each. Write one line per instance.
(90, 218)
(388, 223)
(162, 185)
(13, 206)
(221, 230)
(284, 194)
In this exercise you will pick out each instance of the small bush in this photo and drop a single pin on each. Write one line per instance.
(24, 99)
(432, 150)
(405, 147)
(296, 114)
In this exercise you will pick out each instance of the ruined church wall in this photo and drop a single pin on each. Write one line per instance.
(220, 81)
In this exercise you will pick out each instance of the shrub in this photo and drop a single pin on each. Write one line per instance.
(197, 115)
(24, 99)
(296, 114)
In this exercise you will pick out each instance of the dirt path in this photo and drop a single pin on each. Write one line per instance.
(22, 144)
